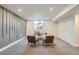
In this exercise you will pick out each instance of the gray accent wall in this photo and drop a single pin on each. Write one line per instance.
(12, 27)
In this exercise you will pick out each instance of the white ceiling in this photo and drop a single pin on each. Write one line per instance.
(36, 11)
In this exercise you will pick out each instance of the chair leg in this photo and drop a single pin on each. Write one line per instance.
(28, 44)
(44, 44)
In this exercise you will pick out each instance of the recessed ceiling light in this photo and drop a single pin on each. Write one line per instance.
(20, 10)
(51, 9)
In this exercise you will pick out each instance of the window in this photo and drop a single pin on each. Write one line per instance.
(38, 25)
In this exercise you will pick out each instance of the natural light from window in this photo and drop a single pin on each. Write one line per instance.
(38, 25)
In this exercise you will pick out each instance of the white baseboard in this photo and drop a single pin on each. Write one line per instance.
(7, 46)
(67, 42)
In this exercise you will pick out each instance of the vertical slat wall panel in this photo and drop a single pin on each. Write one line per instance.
(9, 29)
(5, 38)
(1, 36)
(6, 21)
(12, 30)
(18, 25)
(12, 27)
(8, 26)
(2, 23)
(24, 28)
(14, 23)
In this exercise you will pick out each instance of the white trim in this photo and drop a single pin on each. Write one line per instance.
(67, 9)
(7, 46)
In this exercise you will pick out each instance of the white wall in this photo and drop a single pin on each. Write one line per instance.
(66, 30)
(49, 28)
(77, 29)
(30, 28)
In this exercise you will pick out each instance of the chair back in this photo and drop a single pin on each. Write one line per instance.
(31, 39)
(49, 39)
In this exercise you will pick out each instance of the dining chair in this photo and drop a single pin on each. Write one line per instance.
(31, 40)
(49, 40)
